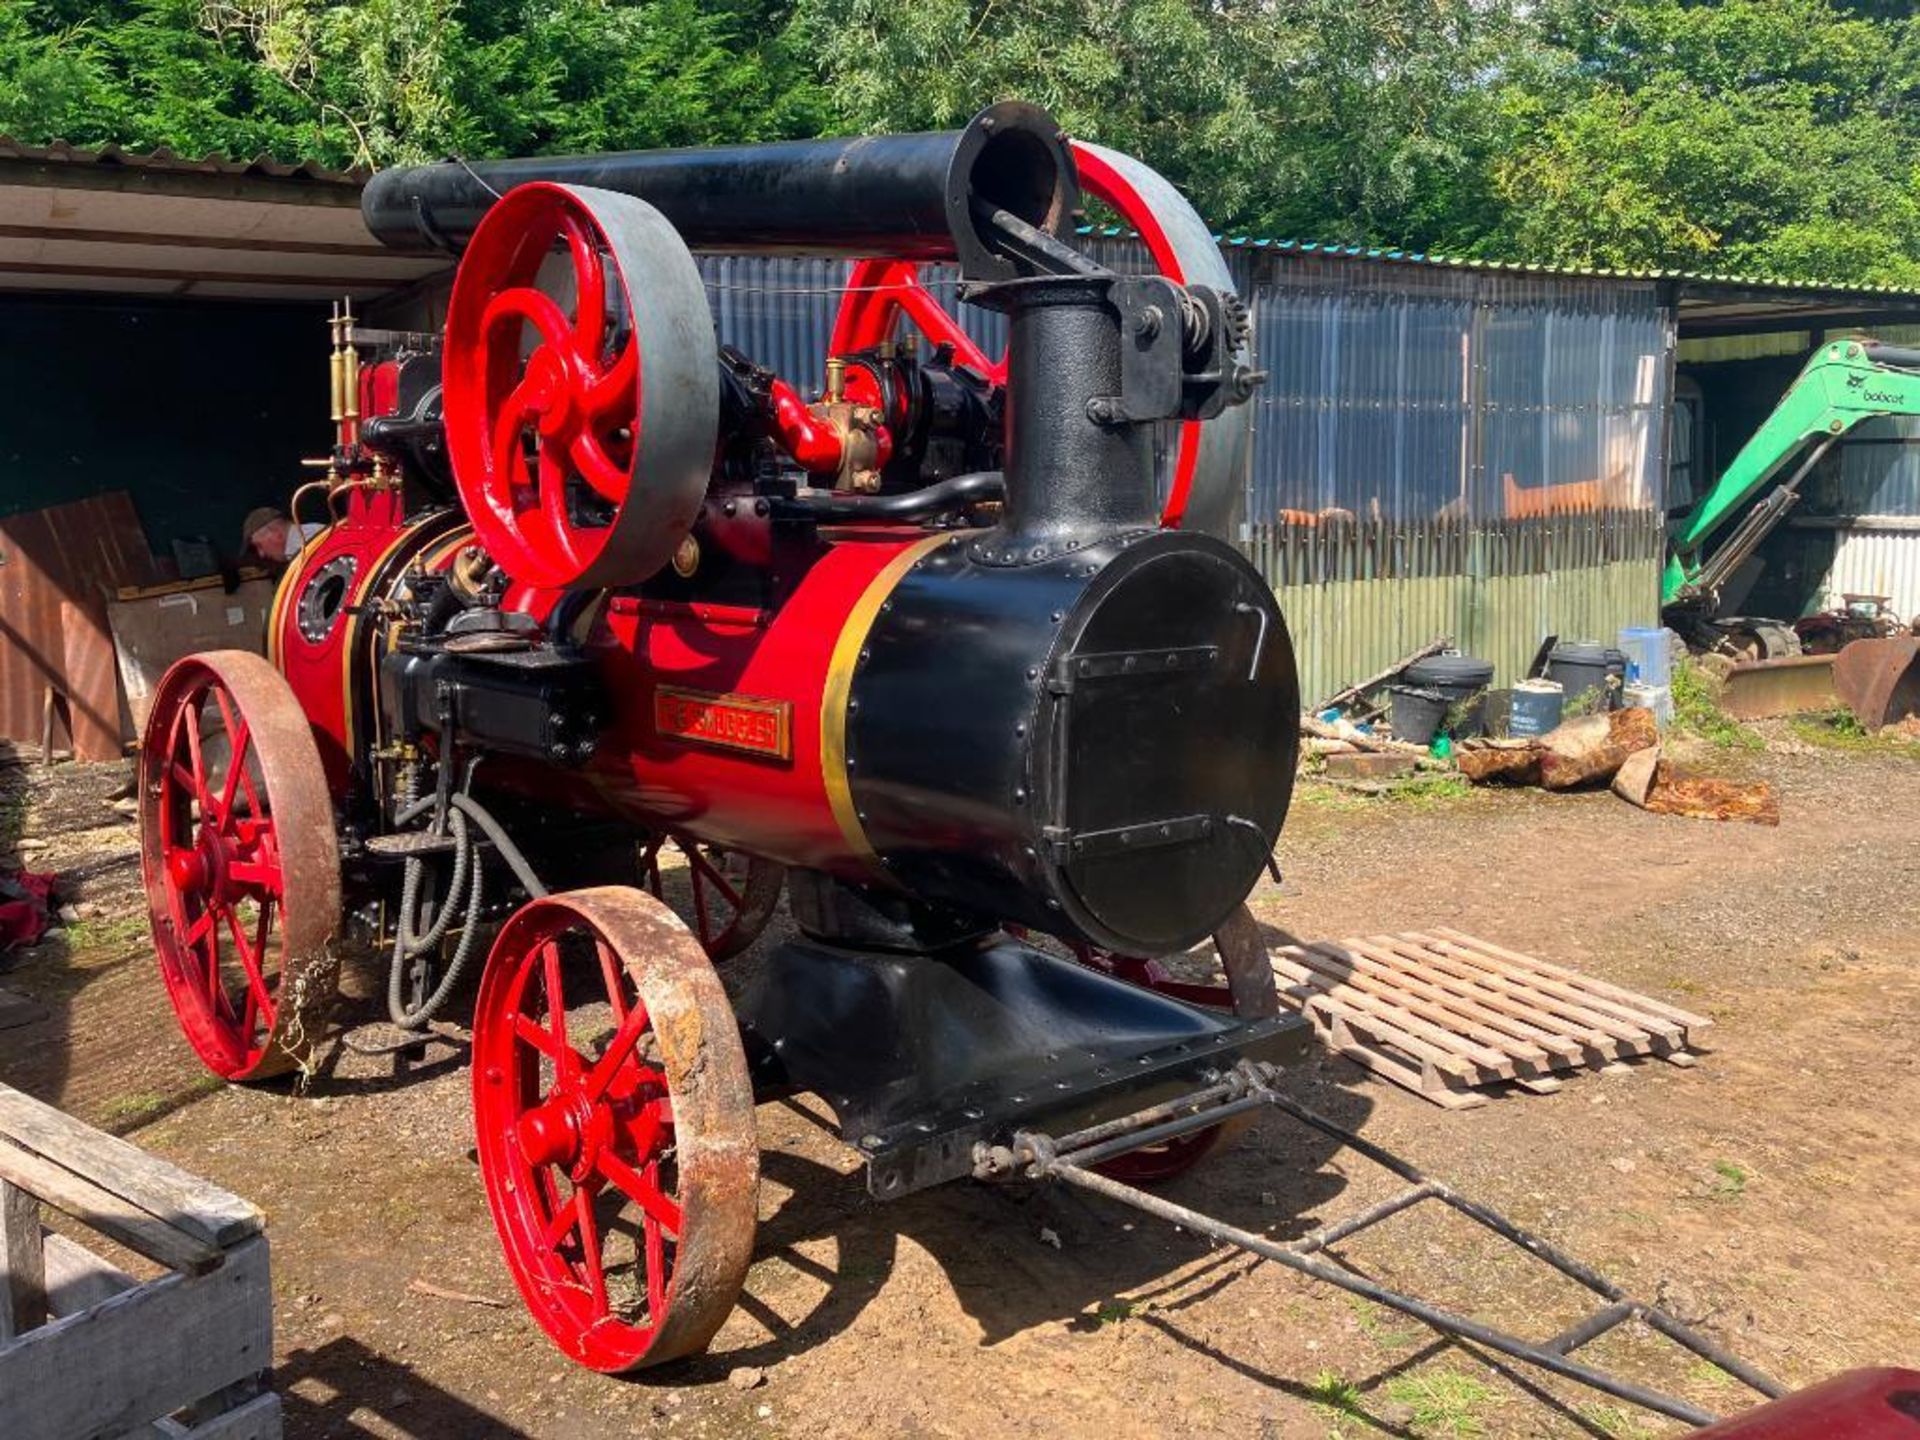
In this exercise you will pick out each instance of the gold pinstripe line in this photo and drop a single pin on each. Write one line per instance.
(839, 687)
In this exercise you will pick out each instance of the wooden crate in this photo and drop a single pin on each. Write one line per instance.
(1447, 1015)
(86, 1350)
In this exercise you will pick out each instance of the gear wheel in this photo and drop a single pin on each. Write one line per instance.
(1238, 320)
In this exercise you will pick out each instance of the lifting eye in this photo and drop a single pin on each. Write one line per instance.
(325, 598)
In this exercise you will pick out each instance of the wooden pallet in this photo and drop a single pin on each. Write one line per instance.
(86, 1349)
(1445, 1014)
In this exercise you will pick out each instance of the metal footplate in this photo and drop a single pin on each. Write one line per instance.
(1251, 1086)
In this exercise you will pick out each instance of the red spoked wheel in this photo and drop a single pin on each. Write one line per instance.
(1249, 993)
(241, 863)
(728, 896)
(615, 1127)
(581, 386)
(1204, 466)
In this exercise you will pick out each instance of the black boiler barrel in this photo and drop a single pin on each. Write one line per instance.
(911, 196)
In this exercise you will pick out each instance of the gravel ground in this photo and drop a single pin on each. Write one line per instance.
(1770, 1193)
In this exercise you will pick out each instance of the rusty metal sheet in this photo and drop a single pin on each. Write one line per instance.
(79, 553)
(1798, 685)
(1879, 679)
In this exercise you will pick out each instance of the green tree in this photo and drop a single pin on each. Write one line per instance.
(375, 82)
(1318, 118)
(1759, 136)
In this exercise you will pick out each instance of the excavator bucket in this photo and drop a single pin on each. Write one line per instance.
(1879, 680)
(1791, 685)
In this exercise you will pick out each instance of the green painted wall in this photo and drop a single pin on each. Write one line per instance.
(200, 411)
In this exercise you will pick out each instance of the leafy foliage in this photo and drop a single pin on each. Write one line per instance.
(1756, 135)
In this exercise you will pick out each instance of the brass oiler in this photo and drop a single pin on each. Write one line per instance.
(686, 557)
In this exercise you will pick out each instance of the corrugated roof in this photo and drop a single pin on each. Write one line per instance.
(164, 160)
(1312, 249)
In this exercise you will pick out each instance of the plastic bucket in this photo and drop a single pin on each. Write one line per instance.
(1585, 666)
(1418, 713)
(1462, 682)
(1535, 707)
(1657, 698)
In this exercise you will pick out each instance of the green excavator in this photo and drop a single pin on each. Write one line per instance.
(1845, 383)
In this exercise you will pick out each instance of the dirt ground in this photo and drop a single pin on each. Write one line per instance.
(1772, 1193)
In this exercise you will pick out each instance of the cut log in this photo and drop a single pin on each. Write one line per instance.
(1500, 763)
(1702, 797)
(1593, 747)
(1635, 776)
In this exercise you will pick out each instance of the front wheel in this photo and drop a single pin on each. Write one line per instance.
(614, 1121)
(241, 864)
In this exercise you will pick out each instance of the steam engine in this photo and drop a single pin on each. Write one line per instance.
(948, 643)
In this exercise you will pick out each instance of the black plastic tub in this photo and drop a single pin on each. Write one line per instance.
(1583, 667)
(1443, 692)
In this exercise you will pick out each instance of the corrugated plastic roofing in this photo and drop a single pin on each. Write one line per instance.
(164, 161)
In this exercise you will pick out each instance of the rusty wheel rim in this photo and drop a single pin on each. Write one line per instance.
(614, 1122)
(731, 895)
(240, 862)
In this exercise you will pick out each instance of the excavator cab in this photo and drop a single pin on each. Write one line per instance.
(1846, 383)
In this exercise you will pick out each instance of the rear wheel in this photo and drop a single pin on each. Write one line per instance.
(726, 896)
(614, 1122)
(241, 863)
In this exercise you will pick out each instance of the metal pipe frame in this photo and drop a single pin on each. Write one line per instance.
(1250, 1086)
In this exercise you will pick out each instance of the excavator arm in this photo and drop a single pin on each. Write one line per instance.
(1846, 382)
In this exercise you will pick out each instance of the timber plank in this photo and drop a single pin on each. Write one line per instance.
(1483, 1023)
(1576, 1036)
(1685, 1018)
(1440, 1048)
(77, 1278)
(1395, 1004)
(23, 1262)
(182, 1201)
(139, 1230)
(141, 1354)
(1600, 1014)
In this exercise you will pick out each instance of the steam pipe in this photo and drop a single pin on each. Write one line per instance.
(913, 196)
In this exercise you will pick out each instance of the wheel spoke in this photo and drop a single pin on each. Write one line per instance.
(560, 1225)
(556, 995)
(589, 291)
(704, 866)
(238, 738)
(250, 962)
(656, 1270)
(596, 467)
(537, 308)
(553, 501)
(605, 395)
(590, 1248)
(509, 453)
(610, 972)
(616, 1053)
(643, 1189)
(540, 1038)
(198, 773)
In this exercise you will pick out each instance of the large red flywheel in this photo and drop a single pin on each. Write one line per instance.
(1205, 462)
(581, 386)
(614, 1123)
(242, 868)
